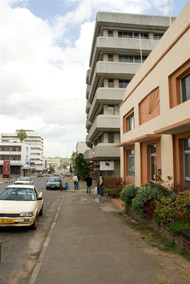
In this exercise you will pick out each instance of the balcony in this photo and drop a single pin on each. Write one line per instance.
(105, 96)
(15, 153)
(13, 162)
(88, 106)
(121, 45)
(87, 91)
(103, 151)
(88, 124)
(104, 123)
(111, 70)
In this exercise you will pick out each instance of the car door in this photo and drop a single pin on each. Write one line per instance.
(39, 203)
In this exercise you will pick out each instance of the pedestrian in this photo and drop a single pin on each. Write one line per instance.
(100, 186)
(78, 181)
(88, 184)
(66, 186)
(75, 179)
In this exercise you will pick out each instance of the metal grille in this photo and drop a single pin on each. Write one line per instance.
(9, 215)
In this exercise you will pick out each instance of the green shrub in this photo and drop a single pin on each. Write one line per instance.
(146, 193)
(177, 227)
(164, 212)
(112, 192)
(174, 208)
(127, 194)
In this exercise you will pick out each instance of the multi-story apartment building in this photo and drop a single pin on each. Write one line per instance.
(36, 143)
(19, 156)
(155, 113)
(81, 147)
(121, 43)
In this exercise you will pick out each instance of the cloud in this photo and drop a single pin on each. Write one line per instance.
(43, 66)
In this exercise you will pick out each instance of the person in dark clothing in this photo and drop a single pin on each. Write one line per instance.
(88, 184)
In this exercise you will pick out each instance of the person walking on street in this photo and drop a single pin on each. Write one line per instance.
(100, 186)
(75, 179)
(78, 181)
(88, 184)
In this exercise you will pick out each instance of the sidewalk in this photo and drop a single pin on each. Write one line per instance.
(89, 243)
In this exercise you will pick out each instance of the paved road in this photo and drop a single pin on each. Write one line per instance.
(21, 246)
(91, 244)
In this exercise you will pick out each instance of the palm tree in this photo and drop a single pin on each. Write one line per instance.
(21, 134)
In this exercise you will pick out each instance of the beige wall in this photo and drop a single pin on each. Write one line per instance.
(171, 52)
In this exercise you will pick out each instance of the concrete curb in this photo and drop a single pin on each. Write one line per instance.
(38, 265)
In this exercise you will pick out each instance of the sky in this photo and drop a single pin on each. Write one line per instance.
(44, 55)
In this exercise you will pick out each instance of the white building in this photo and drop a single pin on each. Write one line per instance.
(19, 156)
(120, 45)
(81, 147)
(36, 143)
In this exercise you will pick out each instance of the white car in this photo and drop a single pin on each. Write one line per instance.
(24, 180)
(20, 205)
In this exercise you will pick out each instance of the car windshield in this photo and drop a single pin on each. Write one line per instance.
(23, 179)
(54, 179)
(19, 194)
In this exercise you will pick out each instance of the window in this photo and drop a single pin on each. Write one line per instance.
(110, 137)
(123, 83)
(110, 57)
(186, 146)
(110, 83)
(125, 34)
(179, 85)
(130, 34)
(185, 88)
(157, 36)
(131, 162)
(128, 121)
(153, 163)
(131, 58)
(111, 110)
(131, 122)
(110, 33)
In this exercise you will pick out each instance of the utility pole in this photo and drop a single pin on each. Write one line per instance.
(169, 5)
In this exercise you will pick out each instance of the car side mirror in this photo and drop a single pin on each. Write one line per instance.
(39, 198)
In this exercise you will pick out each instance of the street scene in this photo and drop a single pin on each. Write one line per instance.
(94, 142)
(90, 242)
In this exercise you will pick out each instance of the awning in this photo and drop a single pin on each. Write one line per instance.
(145, 138)
(175, 128)
(124, 144)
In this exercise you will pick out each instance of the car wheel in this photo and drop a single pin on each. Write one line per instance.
(41, 212)
(35, 224)
(47, 188)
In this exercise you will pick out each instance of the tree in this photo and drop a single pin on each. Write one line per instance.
(82, 167)
(21, 134)
(51, 169)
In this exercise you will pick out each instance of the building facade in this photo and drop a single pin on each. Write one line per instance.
(36, 143)
(121, 43)
(155, 113)
(19, 156)
(81, 148)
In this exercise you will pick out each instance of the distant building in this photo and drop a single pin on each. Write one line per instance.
(155, 113)
(51, 161)
(121, 43)
(36, 143)
(81, 147)
(19, 156)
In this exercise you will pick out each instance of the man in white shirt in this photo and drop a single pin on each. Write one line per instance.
(75, 179)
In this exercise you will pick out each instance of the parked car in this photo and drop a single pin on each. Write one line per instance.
(54, 183)
(20, 205)
(24, 180)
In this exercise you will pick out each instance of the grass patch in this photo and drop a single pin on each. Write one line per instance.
(155, 239)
